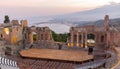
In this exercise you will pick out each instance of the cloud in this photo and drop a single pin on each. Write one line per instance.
(112, 3)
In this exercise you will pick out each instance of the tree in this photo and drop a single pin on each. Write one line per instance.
(34, 37)
(7, 20)
(56, 36)
(60, 37)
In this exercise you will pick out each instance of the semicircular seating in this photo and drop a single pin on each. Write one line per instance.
(6, 63)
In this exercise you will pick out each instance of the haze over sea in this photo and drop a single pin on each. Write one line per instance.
(62, 23)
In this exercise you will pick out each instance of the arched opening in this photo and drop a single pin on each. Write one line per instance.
(91, 36)
(90, 39)
(75, 37)
(32, 37)
(102, 38)
(46, 36)
(41, 36)
(25, 36)
(90, 42)
(34, 34)
(1, 36)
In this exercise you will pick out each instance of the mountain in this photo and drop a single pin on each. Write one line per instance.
(92, 15)
(115, 21)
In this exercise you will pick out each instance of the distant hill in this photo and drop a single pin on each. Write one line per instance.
(115, 21)
(92, 15)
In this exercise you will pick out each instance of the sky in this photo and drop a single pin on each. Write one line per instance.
(32, 8)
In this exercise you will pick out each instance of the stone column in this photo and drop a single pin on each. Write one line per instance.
(106, 25)
(71, 39)
(86, 40)
(31, 37)
(82, 38)
(37, 37)
(77, 44)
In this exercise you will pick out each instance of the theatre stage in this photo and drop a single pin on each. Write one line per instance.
(64, 55)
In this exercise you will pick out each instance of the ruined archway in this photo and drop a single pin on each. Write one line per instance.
(38, 36)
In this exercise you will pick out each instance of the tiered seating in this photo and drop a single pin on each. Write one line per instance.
(116, 27)
(91, 64)
(6, 63)
(112, 60)
(8, 67)
(46, 64)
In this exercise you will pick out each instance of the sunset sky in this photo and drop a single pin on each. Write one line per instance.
(29, 8)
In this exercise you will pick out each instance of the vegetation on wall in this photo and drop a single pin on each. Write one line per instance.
(34, 37)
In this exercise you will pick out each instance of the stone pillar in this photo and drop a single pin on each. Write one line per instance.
(31, 38)
(71, 38)
(96, 39)
(24, 23)
(37, 37)
(48, 37)
(86, 40)
(82, 39)
(77, 44)
(106, 25)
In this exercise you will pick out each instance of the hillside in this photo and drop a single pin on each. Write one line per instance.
(91, 15)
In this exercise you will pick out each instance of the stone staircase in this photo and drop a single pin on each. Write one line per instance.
(6, 63)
